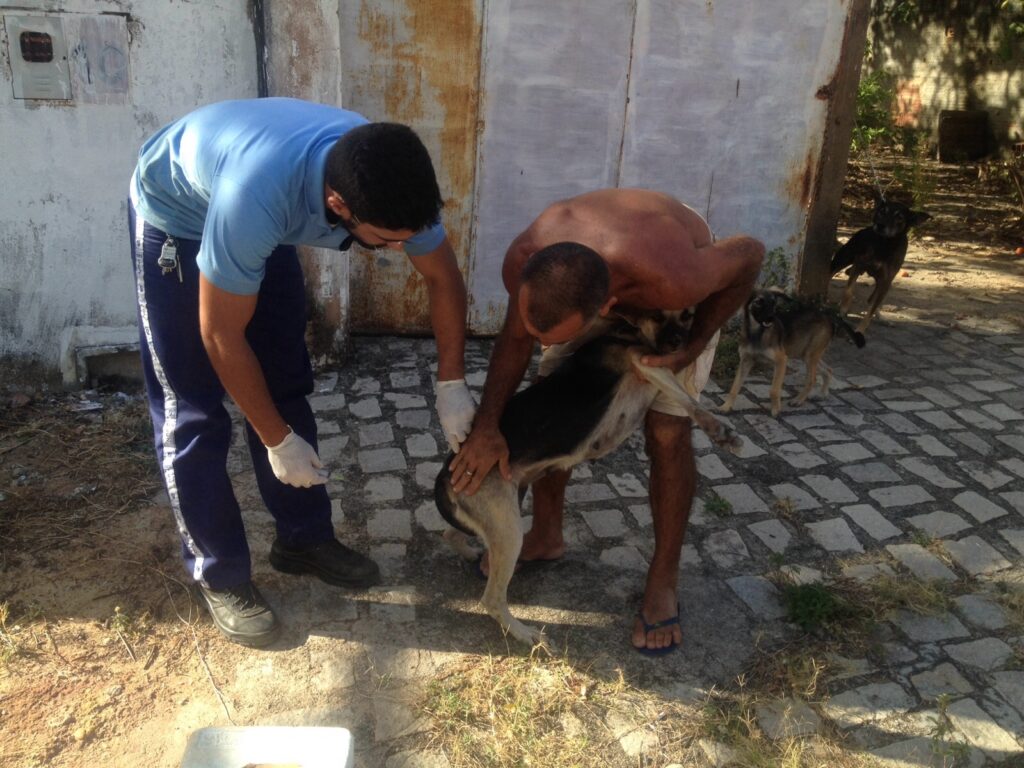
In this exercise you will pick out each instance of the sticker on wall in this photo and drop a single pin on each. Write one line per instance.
(98, 55)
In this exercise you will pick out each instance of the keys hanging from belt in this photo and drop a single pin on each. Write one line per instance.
(169, 261)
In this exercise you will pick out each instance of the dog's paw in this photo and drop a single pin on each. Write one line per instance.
(528, 635)
(735, 443)
(721, 434)
(729, 439)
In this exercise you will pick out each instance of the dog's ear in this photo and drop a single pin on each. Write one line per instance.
(917, 217)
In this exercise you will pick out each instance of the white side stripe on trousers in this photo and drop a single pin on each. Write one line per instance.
(170, 406)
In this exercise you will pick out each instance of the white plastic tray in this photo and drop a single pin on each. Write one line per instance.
(269, 747)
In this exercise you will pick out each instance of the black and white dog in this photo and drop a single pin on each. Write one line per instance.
(586, 408)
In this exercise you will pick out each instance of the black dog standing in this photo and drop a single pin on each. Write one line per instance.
(878, 250)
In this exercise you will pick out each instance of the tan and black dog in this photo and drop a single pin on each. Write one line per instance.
(588, 406)
(777, 327)
(878, 250)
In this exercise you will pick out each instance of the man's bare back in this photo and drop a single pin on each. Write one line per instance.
(650, 242)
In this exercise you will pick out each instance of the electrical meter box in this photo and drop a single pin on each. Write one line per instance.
(38, 51)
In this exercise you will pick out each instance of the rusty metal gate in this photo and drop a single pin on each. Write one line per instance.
(416, 62)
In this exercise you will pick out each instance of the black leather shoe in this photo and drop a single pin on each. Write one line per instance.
(330, 561)
(242, 614)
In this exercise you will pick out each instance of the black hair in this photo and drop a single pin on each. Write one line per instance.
(383, 173)
(564, 278)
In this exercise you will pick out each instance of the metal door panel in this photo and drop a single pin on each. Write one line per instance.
(554, 89)
(723, 110)
(415, 62)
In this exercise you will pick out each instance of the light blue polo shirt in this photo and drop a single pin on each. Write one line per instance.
(244, 177)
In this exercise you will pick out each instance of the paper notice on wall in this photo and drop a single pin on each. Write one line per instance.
(98, 56)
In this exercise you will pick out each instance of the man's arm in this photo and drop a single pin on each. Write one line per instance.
(223, 318)
(735, 264)
(447, 294)
(485, 445)
(510, 358)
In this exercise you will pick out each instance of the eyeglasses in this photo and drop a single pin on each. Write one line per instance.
(355, 222)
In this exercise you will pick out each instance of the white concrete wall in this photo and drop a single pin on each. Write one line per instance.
(64, 257)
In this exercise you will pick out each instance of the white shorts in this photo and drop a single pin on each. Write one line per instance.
(692, 378)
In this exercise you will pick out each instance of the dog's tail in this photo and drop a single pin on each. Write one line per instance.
(855, 336)
(444, 497)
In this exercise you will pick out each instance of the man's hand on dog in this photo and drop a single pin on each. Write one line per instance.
(476, 458)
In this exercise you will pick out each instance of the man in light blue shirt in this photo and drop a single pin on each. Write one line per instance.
(219, 200)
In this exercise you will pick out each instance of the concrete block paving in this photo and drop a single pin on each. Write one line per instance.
(915, 471)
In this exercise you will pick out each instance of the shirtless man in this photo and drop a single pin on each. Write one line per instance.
(660, 254)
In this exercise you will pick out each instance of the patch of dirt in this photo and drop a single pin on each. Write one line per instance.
(91, 644)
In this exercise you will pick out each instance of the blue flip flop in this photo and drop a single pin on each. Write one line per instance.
(657, 625)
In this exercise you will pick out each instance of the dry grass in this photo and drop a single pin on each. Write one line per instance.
(63, 471)
(928, 598)
(842, 616)
(794, 670)
(935, 546)
(730, 721)
(531, 711)
(785, 508)
(1011, 598)
(886, 593)
(13, 640)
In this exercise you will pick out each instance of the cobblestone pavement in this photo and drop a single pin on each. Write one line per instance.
(913, 465)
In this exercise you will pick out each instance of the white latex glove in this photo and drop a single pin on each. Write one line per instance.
(295, 462)
(455, 409)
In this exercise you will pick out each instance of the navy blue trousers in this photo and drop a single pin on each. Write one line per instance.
(192, 429)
